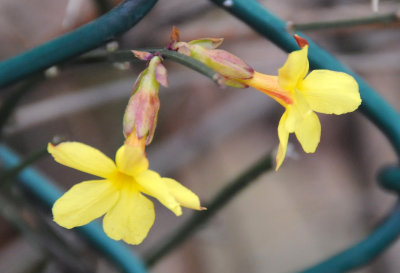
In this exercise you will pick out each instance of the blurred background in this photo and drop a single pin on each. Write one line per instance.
(316, 205)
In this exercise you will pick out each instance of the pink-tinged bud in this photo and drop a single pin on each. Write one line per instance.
(229, 66)
(140, 117)
(223, 62)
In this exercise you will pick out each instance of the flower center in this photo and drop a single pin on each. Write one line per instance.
(123, 181)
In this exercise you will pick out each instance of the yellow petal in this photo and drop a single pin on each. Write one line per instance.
(153, 185)
(82, 157)
(292, 119)
(84, 202)
(331, 92)
(131, 160)
(296, 111)
(294, 70)
(130, 219)
(283, 135)
(308, 132)
(183, 195)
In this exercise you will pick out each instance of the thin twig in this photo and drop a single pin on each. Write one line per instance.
(128, 56)
(199, 218)
(103, 6)
(376, 19)
(8, 106)
(6, 175)
(40, 240)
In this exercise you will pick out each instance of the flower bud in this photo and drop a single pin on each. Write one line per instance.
(228, 65)
(141, 112)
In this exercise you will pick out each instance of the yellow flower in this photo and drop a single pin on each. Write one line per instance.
(322, 91)
(129, 215)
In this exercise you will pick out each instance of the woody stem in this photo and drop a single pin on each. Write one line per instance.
(127, 56)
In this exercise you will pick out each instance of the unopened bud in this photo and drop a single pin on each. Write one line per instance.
(229, 66)
(140, 116)
(141, 112)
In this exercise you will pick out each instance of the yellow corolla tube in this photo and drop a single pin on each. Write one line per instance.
(118, 194)
(302, 94)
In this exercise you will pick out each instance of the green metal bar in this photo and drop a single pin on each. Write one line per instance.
(389, 178)
(373, 106)
(365, 251)
(77, 42)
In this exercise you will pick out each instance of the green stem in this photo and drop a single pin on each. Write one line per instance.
(103, 6)
(38, 267)
(127, 56)
(14, 171)
(40, 241)
(75, 43)
(219, 201)
(192, 64)
(11, 101)
(10, 173)
(377, 19)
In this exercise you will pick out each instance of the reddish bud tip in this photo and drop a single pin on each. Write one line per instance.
(300, 41)
(174, 35)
